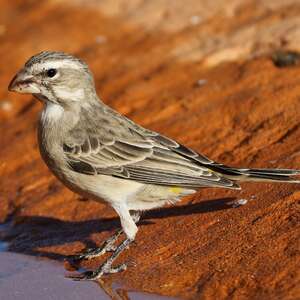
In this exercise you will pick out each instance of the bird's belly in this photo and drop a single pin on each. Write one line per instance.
(102, 187)
(152, 196)
(112, 190)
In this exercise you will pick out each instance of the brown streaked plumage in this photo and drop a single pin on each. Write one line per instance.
(97, 152)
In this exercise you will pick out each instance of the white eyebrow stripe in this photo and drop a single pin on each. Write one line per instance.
(55, 64)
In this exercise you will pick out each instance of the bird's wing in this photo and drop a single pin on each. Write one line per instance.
(108, 143)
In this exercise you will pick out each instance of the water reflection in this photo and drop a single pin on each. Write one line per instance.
(25, 277)
(3, 246)
(117, 292)
(3, 228)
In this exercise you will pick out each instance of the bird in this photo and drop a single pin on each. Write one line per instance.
(100, 154)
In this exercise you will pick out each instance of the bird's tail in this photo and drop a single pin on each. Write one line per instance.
(272, 175)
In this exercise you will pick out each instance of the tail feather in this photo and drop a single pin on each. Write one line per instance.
(275, 175)
(283, 172)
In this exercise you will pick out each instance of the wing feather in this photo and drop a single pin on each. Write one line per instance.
(118, 147)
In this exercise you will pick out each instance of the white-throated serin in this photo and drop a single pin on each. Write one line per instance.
(99, 153)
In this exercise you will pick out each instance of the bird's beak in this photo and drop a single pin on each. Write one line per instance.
(24, 83)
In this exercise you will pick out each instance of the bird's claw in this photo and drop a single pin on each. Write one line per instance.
(107, 246)
(94, 275)
(93, 252)
(118, 269)
(88, 275)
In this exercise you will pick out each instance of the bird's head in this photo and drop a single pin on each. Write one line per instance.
(55, 77)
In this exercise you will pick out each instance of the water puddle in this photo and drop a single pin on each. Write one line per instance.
(24, 277)
(115, 291)
(3, 246)
(28, 277)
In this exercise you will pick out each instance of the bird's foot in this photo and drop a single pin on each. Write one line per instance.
(105, 269)
(107, 246)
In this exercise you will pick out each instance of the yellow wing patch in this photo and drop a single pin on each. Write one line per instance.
(175, 190)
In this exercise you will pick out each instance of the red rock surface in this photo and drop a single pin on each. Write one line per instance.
(148, 58)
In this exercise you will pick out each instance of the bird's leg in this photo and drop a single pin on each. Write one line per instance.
(127, 221)
(106, 268)
(107, 246)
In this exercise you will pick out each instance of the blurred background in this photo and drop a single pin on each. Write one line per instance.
(129, 41)
(220, 76)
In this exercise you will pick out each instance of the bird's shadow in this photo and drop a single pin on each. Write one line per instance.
(29, 234)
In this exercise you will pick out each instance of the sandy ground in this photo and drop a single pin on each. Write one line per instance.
(202, 72)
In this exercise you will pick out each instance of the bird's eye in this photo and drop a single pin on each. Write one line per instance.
(51, 72)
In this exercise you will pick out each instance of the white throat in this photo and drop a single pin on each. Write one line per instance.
(52, 113)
